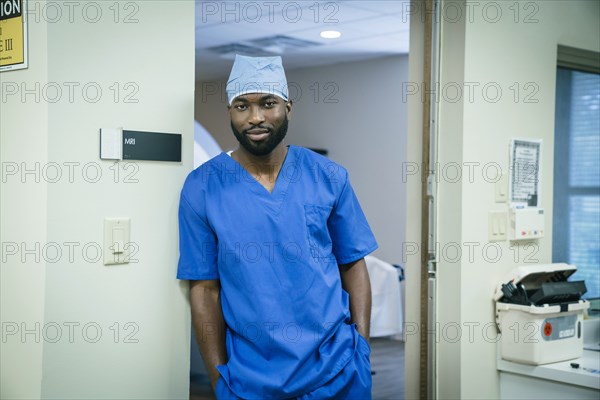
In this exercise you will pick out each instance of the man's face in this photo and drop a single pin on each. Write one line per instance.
(259, 121)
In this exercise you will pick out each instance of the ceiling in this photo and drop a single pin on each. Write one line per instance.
(370, 29)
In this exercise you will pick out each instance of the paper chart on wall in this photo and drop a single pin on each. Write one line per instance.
(524, 185)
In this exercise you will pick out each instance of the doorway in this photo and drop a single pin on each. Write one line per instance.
(347, 100)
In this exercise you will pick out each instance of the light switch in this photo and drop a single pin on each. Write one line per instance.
(497, 226)
(501, 189)
(116, 240)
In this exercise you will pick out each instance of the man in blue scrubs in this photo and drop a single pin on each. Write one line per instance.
(272, 238)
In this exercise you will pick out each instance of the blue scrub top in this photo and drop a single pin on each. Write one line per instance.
(276, 256)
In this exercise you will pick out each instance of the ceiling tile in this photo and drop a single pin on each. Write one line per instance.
(385, 7)
(368, 30)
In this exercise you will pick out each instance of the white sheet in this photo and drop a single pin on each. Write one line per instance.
(387, 310)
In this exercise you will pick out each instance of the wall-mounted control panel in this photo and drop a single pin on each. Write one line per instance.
(526, 223)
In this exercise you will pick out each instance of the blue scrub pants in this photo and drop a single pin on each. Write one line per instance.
(353, 382)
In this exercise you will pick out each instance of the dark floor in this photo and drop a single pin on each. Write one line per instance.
(387, 362)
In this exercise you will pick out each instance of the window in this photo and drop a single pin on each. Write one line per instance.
(576, 222)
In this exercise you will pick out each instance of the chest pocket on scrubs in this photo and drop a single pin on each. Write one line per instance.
(318, 234)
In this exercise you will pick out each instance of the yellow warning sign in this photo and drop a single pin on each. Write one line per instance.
(13, 35)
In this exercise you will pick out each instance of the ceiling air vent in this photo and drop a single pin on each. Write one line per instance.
(263, 47)
(280, 44)
(230, 50)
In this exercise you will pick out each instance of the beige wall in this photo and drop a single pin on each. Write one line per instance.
(211, 111)
(142, 350)
(501, 53)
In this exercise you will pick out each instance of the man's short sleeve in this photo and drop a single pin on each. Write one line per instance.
(350, 233)
(197, 245)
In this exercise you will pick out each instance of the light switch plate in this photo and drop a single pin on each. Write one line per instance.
(497, 226)
(501, 189)
(117, 244)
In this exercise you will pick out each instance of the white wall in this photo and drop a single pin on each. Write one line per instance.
(23, 216)
(502, 53)
(149, 358)
(354, 111)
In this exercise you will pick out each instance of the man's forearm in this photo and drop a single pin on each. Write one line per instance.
(355, 281)
(207, 318)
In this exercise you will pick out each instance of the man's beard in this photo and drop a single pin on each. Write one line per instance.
(264, 147)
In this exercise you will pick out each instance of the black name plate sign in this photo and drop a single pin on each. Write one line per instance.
(151, 146)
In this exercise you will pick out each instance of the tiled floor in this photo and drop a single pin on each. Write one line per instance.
(387, 361)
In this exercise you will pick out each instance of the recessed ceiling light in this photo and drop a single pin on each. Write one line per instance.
(331, 34)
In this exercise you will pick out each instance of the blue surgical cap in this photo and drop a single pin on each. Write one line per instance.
(257, 75)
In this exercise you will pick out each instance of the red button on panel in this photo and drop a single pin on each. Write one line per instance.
(547, 329)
